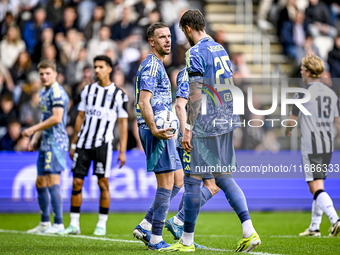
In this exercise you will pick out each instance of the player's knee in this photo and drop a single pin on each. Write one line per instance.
(214, 189)
(317, 193)
(76, 192)
(179, 183)
(103, 184)
(77, 184)
(40, 182)
(211, 185)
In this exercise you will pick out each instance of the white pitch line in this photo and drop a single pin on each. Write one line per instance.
(118, 240)
(288, 236)
(74, 236)
(252, 252)
(272, 236)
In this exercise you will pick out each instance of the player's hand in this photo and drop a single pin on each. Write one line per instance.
(72, 151)
(122, 159)
(186, 145)
(162, 134)
(288, 132)
(32, 145)
(28, 132)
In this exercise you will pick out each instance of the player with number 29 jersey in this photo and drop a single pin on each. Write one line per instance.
(209, 60)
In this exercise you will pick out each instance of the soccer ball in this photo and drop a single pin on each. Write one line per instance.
(166, 119)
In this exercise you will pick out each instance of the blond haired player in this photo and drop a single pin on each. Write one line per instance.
(317, 142)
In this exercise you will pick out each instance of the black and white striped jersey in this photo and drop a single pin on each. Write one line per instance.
(102, 107)
(318, 128)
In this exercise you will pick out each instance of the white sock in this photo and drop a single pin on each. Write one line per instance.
(188, 238)
(316, 217)
(75, 220)
(155, 239)
(102, 219)
(146, 225)
(326, 204)
(248, 228)
(178, 221)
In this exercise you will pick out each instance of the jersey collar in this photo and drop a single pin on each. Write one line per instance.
(207, 38)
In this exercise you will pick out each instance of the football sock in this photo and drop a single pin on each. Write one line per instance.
(44, 203)
(205, 196)
(192, 203)
(188, 238)
(75, 220)
(149, 214)
(181, 203)
(75, 215)
(103, 216)
(57, 203)
(156, 239)
(247, 228)
(174, 191)
(237, 201)
(161, 206)
(102, 219)
(316, 217)
(326, 204)
(178, 221)
(146, 225)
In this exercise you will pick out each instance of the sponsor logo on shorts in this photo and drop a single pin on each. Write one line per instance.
(99, 168)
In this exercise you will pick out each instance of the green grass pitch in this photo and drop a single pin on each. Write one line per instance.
(219, 231)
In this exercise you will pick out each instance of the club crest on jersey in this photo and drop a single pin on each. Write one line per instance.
(150, 82)
(173, 160)
(109, 97)
(184, 87)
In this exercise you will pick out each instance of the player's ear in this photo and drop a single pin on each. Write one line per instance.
(151, 41)
(308, 73)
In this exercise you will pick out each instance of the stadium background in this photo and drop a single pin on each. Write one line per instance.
(265, 40)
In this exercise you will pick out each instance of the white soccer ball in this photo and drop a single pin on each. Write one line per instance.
(166, 119)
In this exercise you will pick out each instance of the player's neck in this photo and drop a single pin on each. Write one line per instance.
(160, 57)
(198, 36)
(105, 82)
(310, 80)
(48, 86)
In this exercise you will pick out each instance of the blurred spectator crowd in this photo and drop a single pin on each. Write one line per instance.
(306, 27)
(72, 33)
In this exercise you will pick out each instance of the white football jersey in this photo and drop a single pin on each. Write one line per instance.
(318, 129)
(102, 107)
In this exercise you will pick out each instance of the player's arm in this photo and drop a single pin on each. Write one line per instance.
(56, 118)
(290, 125)
(194, 105)
(79, 122)
(147, 112)
(123, 131)
(181, 112)
(195, 72)
(123, 128)
(293, 117)
(34, 141)
(194, 102)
